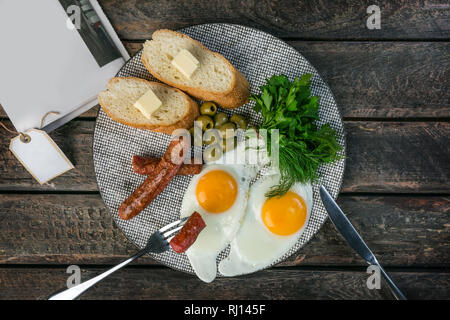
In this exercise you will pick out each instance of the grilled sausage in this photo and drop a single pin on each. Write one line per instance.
(188, 234)
(146, 166)
(154, 184)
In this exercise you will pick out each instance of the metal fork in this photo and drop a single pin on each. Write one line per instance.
(157, 243)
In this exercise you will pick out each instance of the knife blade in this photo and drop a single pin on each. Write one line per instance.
(344, 226)
(346, 229)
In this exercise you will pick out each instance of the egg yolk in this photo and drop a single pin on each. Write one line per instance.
(216, 191)
(284, 215)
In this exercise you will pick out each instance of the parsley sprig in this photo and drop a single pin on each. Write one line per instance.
(303, 146)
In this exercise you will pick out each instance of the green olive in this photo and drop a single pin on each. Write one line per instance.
(212, 153)
(211, 139)
(240, 121)
(211, 136)
(229, 144)
(219, 119)
(196, 134)
(227, 130)
(191, 131)
(251, 132)
(208, 108)
(205, 122)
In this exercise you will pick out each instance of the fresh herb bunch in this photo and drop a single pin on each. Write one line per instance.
(303, 146)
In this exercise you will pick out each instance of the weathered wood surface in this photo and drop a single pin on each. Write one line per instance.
(77, 229)
(382, 157)
(397, 157)
(384, 80)
(376, 80)
(412, 19)
(163, 283)
(395, 189)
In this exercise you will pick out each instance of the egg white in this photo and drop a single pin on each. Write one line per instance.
(254, 246)
(220, 227)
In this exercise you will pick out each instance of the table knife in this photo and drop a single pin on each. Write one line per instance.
(352, 237)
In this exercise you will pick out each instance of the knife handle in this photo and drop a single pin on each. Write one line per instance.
(394, 289)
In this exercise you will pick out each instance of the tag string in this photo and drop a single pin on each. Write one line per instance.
(25, 138)
(55, 113)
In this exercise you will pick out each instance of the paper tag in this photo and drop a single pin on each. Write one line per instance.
(40, 156)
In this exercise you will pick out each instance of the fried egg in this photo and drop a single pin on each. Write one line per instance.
(219, 193)
(270, 228)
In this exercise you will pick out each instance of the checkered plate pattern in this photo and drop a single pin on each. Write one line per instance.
(258, 56)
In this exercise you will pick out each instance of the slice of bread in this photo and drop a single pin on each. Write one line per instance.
(177, 111)
(214, 80)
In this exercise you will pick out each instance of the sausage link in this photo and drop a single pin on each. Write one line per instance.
(146, 166)
(153, 185)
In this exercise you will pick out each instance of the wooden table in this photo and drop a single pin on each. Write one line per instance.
(392, 87)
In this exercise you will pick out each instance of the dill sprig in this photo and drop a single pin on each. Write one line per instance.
(303, 146)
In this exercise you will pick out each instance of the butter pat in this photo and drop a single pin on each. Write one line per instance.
(148, 103)
(185, 62)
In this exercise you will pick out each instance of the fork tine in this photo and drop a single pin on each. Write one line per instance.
(173, 224)
(168, 233)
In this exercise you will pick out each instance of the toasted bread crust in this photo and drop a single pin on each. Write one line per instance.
(185, 123)
(235, 96)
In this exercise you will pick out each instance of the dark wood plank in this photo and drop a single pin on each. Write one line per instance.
(376, 80)
(77, 229)
(158, 283)
(382, 157)
(397, 157)
(384, 80)
(293, 18)
(60, 229)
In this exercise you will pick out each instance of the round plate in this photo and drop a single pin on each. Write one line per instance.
(258, 56)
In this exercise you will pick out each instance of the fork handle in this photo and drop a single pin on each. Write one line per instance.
(74, 292)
